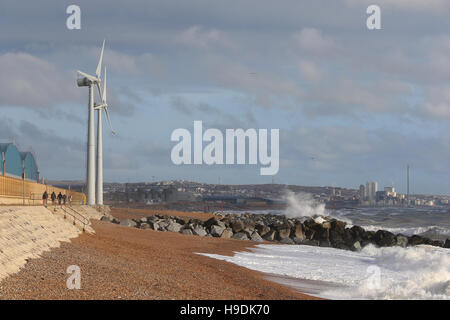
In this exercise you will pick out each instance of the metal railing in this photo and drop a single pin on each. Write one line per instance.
(75, 215)
(26, 192)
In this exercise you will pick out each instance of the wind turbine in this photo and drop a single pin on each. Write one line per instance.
(91, 81)
(99, 108)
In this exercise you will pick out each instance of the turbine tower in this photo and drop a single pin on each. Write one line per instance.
(103, 106)
(91, 81)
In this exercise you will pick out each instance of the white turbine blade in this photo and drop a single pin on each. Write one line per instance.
(104, 88)
(99, 66)
(81, 73)
(109, 120)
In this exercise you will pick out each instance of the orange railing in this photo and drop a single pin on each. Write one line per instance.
(19, 191)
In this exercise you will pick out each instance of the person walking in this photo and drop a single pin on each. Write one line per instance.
(70, 200)
(53, 196)
(59, 198)
(64, 197)
(44, 198)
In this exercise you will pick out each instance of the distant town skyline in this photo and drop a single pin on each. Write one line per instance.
(352, 105)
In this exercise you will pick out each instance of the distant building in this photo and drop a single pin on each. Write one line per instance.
(390, 191)
(362, 192)
(371, 190)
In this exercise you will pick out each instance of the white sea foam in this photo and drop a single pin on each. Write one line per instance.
(421, 272)
(303, 205)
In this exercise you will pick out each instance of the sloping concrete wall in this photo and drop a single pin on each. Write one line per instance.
(26, 232)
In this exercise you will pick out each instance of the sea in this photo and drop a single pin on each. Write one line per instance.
(420, 272)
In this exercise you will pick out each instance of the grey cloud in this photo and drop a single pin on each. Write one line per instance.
(31, 81)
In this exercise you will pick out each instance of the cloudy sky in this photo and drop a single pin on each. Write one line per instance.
(351, 104)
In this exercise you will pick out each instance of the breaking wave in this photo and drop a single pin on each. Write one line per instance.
(421, 272)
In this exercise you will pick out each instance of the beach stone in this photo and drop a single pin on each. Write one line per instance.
(240, 236)
(227, 233)
(199, 231)
(256, 237)
(128, 223)
(216, 231)
(270, 236)
(447, 243)
(174, 226)
(402, 241)
(187, 232)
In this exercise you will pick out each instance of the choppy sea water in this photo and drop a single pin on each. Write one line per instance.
(421, 272)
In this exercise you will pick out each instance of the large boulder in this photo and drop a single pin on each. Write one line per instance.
(287, 241)
(271, 235)
(182, 220)
(447, 243)
(174, 226)
(240, 236)
(106, 219)
(154, 225)
(210, 222)
(256, 237)
(356, 246)
(199, 231)
(187, 232)
(237, 226)
(326, 225)
(262, 229)
(163, 224)
(385, 238)
(401, 240)
(321, 234)
(297, 231)
(310, 242)
(128, 223)
(227, 233)
(216, 231)
(416, 240)
(358, 233)
(283, 231)
(144, 226)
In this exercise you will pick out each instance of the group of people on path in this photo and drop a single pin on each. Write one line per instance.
(62, 198)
